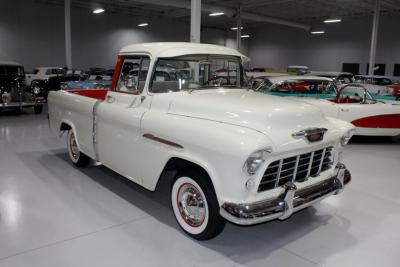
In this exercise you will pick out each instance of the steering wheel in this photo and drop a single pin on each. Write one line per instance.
(216, 81)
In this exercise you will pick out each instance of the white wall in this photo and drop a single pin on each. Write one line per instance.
(347, 42)
(33, 34)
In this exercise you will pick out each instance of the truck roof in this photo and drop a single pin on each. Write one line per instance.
(10, 63)
(174, 49)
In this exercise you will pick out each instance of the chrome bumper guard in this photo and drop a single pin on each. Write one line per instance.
(292, 200)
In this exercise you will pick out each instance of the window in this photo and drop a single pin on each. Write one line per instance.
(197, 72)
(133, 74)
(298, 87)
(35, 71)
(396, 70)
(382, 81)
(351, 67)
(379, 69)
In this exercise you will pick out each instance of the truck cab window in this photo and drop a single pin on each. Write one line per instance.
(133, 75)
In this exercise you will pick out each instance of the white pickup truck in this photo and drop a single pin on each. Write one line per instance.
(238, 155)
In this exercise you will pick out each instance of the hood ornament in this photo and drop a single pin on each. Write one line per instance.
(311, 134)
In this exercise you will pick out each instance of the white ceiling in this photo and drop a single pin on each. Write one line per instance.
(302, 11)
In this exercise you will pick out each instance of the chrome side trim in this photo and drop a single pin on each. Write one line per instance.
(94, 130)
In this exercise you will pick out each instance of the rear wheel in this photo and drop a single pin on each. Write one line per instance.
(195, 205)
(76, 156)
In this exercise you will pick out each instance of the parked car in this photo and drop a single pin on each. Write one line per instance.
(54, 83)
(382, 85)
(299, 70)
(354, 104)
(86, 84)
(13, 90)
(237, 155)
(340, 77)
(306, 86)
(42, 74)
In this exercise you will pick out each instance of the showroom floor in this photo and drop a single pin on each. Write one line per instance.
(53, 214)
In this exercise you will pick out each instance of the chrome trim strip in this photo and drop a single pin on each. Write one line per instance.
(295, 168)
(161, 140)
(94, 129)
(279, 173)
(310, 165)
(321, 161)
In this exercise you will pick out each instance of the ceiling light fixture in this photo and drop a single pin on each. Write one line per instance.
(98, 11)
(144, 24)
(245, 36)
(216, 14)
(332, 20)
(317, 32)
(235, 28)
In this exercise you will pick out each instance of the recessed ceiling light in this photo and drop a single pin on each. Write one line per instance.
(332, 20)
(235, 28)
(98, 11)
(144, 24)
(216, 14)
(245, 36)
(317, 32)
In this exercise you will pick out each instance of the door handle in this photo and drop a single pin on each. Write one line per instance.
(344, 109)
(110, 99)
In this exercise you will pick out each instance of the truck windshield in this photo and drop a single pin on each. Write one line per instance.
(196, 72)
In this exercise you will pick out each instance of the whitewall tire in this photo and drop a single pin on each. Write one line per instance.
(75, 155)
(195, 205)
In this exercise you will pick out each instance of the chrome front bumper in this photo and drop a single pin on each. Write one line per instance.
(286, 204)
(21, 104)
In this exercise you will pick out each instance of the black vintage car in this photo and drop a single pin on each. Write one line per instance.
(15, 95)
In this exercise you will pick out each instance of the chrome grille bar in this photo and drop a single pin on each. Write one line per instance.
(310, 165)
(322, 161)
(295, 168)
(279, 173)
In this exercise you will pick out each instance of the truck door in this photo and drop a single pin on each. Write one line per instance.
(119, 117)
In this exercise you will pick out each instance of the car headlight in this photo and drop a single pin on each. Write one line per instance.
(346, 137)
(255, 160)
(36, 90)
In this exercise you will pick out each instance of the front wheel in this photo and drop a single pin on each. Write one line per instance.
(76, 156)
(195, 205)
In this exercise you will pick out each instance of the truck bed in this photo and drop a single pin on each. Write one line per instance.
(99, 94)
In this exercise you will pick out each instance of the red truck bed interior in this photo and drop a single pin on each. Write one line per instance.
(93, 93)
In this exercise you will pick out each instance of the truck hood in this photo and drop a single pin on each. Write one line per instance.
(274, 116)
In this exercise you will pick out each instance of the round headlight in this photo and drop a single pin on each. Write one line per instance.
(255, 160)
(346, 138)
(37, 90)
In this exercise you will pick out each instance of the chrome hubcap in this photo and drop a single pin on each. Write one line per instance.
(191, 205)
(74, 147)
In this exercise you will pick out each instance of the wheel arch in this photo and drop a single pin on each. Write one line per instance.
(66, 125)
(176, 164)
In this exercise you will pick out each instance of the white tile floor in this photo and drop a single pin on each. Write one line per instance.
(52, 214)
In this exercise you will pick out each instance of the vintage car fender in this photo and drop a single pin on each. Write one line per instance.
(203, 150)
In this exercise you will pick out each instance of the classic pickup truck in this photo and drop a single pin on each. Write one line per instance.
(238, 155)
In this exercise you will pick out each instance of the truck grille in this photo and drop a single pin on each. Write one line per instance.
(296, 169)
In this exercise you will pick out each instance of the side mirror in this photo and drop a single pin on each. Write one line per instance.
(130, 82)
